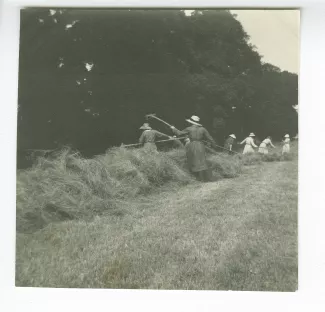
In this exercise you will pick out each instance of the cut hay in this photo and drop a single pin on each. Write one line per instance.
(221, 164)
(224, 166)
(256, 158)
(66, 186)
(249, 159)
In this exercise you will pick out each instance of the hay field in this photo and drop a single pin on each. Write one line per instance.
(129, 219)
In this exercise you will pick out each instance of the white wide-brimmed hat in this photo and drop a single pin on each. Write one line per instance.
(233, 136)
(194, 120)
(145, 126)
(287, 136)
(252, 134)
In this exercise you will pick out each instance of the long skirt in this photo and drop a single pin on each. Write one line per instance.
(196, 157)
(286, 149)
(263, 149)
(150, 147)
(248, 149)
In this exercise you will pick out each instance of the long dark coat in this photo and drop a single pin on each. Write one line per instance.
(195, 150)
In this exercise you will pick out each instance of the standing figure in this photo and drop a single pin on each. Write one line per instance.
(249, 144)
(229, 143)
(263, 146)
(149, 136)
(286, 144)
(195, 149)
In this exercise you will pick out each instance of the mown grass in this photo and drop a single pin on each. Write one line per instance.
(238, 234)
(66, 186)
(272, 156)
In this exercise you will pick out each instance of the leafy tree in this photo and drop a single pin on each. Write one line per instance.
(88, 77)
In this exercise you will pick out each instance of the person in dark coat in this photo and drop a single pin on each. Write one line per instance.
(229, 143)
(195, 149)
(149, 136)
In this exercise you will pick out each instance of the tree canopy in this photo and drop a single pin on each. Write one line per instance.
(88, 77)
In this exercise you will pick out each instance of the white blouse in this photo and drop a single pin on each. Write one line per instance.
(267, 142)
(249, 141)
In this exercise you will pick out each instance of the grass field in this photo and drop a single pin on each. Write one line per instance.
(238, 234)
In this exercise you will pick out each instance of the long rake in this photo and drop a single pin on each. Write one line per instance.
(169, 125)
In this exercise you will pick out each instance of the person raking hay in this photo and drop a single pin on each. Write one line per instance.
(195, 148)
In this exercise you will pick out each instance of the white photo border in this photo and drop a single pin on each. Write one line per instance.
(311, 181)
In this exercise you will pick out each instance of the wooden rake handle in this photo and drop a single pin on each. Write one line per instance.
(157, 118)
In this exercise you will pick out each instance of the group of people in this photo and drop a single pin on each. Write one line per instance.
(196, 136)
(262, 148)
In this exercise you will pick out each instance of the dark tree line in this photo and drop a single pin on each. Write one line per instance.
(87, 78)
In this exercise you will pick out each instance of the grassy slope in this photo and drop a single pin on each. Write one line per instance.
(238, 234)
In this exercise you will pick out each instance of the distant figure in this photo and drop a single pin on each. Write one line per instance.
(249, 144)
(149, 136)
(286, 144)
(195, 149)
(263, 148)
(229, 142)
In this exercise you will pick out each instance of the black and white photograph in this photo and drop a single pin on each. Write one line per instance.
(157, 148)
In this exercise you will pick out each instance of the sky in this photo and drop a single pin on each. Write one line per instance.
(275, 33)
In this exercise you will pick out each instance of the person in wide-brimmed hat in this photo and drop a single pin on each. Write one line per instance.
(249, 144)
(263, 148)
(149, 136)
(229, 142)
(286, 144)
(145, 126)
(195, 149)
(194, 120)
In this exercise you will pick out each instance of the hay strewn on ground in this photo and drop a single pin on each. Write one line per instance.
(66, 186)
(238, 234)
(256, 158)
